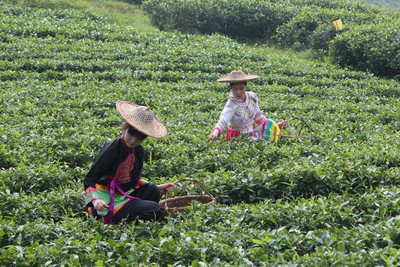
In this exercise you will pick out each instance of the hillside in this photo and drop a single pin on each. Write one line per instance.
(330, 198)
(119, 12)
(367, 39)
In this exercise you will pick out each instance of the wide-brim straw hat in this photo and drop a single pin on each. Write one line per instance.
(141, 118)
(237, 76)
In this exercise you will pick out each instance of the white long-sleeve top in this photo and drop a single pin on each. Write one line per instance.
(240, 115)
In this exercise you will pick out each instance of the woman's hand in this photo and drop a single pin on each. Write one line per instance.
(283, 124)
(165, 188)
(99, 204)
(214, 135)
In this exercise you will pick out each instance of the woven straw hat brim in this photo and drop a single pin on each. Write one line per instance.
(141, 118)
(245, 78)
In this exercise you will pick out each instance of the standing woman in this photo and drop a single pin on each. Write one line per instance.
(241, 114)
(118, 169)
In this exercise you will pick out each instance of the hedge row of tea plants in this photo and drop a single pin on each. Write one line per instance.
(302, 24)
(329, 198)
(243, 18)
(375, 47)
(254, 19)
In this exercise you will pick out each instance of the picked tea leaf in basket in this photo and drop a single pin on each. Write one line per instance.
(177, 204)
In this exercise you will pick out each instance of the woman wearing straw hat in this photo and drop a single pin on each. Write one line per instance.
(242, 113)
(118, 168)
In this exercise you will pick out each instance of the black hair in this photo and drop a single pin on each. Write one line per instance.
(132, 131)
(232, 84)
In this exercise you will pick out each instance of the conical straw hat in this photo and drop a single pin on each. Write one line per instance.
(141, 118)
(237, 76)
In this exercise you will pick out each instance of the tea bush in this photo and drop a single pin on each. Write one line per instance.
(375, 47)
(304, 30)
(244, 18)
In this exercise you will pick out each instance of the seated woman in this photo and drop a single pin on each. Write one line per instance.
(118, 169)
(241, 114)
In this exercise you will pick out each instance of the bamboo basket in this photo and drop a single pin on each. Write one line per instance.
(179, 204)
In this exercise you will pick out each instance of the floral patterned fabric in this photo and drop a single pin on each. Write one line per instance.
(240, 116)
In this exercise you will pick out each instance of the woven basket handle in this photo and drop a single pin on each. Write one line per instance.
(303, 121)
(298, 134)
(196, 182)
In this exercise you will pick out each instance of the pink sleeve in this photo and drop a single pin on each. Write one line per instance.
(219, 130)
(91, 194)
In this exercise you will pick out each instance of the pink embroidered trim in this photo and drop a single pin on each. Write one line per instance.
(91, 193)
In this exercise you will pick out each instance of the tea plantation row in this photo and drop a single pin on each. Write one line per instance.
(327, 199)
(342, 230)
